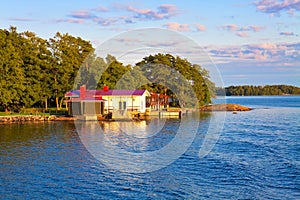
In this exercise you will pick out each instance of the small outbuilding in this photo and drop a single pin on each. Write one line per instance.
(84, 102)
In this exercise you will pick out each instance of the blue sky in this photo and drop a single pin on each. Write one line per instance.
(251, 42)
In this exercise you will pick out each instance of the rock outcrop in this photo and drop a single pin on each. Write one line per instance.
(225, 107)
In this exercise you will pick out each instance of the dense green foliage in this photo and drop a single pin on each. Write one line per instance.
(35, 72)
(24, 60)
(250, 90)
(178, 76)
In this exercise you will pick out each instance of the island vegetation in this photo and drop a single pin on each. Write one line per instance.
(37, 72)
(250, 90)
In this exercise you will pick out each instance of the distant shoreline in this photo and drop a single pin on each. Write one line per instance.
(251, 90)
(289, 95)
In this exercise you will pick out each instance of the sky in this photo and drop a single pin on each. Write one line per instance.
(250, 42)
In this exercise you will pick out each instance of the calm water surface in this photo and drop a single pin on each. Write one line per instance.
(256, 157)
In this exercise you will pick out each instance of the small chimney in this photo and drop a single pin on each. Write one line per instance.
(82, 91)
(105, 88)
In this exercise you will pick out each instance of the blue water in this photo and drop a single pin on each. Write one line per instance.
(256, 156)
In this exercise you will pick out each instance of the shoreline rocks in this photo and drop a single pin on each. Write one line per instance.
(33, 118)
(225, 107)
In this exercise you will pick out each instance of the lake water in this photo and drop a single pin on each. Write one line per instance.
(255, 156)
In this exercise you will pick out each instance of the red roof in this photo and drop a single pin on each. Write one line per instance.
(100, 93)
(120, 92)
(86, 99)
(72, 93)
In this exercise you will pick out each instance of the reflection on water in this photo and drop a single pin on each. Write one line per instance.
(140, 147)
(138, 129)
(28, 133)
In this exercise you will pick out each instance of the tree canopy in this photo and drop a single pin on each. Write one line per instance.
(179, 75)
(34, 70)
(37, 72)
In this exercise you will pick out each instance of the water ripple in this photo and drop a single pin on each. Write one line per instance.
(256, 157)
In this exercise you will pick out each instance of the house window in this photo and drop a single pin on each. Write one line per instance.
(122, 105)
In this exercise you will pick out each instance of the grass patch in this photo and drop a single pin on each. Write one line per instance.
(23, 114)
(35, 111)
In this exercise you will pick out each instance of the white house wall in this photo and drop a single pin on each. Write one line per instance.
(137, 102)
(143, 103)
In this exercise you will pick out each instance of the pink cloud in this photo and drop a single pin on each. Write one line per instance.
(22, 19)
(276, 6)
(168, 8)
(101, 9)
(291, 12)
(260, 52)
(92, 16)
(264, 46)
(164, 11)
(242, 31)
(105, 21)
(74, 21)
(139, 11)
(82, 14)
(287, 33)
(255, 28)
(242, 34)
(200, 27)
(129, 40)
(230, 27)
(177, 27)
(233, 27)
